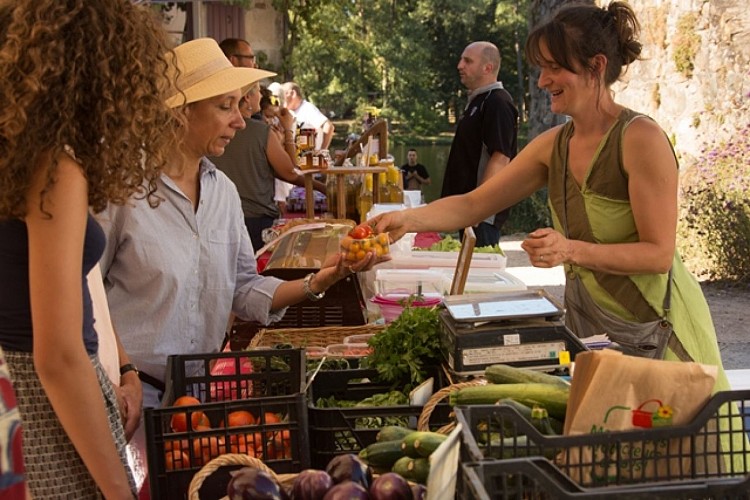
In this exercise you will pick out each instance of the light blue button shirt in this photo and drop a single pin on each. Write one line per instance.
(173, 274)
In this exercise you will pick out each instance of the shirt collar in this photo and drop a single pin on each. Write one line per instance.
(482, 90)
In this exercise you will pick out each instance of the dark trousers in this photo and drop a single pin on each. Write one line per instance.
(486, 234)
(255, 227)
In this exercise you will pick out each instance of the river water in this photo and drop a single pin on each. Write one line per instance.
(432, 156)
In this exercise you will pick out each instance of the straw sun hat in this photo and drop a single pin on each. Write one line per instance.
(206, 72)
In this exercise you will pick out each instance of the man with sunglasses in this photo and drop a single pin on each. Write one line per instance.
(239, 52)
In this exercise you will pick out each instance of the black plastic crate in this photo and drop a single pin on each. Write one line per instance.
(279, 438)
(538, 479)
(275, 372)
(337, 431)
(712, 449)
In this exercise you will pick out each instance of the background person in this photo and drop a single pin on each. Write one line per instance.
(253, 160)
(486, 136)
(74, 106)
(308, 115)
(239, 52)
(612, 177)
(415, 174)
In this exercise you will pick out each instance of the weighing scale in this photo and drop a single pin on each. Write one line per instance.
(523, 329)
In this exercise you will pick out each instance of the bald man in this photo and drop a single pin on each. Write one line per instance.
(486, 137)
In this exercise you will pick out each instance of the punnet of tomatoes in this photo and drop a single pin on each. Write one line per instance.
(361, 240)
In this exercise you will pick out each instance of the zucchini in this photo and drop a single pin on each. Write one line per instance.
(413, 469)
(393, 432)
(554, 399)
(382, 454)
(540, 419)
(506, 374)
(421, 443)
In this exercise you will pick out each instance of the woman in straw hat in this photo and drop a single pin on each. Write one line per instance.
(174, 274)
(83, 82)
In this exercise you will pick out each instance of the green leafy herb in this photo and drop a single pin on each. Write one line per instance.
(451, 244)
(403, 350)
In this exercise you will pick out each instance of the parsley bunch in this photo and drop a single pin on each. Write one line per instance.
(403, 350)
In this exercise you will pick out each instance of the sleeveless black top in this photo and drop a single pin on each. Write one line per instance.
(16, 332)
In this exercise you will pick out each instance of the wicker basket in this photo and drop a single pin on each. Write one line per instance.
(310, 337)
(285, 480)
(423, 424)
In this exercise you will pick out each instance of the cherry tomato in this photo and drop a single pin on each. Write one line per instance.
(358, 233)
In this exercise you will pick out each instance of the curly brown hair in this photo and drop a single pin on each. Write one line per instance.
(90, 75)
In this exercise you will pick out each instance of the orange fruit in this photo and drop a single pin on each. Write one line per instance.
(271, 418)
(239, 418)
(176, 459)
(207, 448)
(179, 420)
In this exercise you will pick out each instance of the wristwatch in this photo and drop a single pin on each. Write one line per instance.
(308, 291)
(129, 367)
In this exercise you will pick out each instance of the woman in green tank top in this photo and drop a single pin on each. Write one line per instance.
(613, 183)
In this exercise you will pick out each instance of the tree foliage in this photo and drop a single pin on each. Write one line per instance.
(399, 56)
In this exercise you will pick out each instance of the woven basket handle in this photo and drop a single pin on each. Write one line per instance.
(423, 424)
(220, 461)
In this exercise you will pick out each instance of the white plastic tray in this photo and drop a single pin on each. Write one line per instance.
(428, 259)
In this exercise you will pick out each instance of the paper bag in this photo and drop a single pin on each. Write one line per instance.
(613, 392)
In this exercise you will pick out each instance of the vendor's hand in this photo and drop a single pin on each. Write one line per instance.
(393, 223)
(130, 401)
(546, 247)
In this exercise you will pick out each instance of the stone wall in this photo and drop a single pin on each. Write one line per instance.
(695, 76)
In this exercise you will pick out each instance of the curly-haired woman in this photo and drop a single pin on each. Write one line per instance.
(82, 124)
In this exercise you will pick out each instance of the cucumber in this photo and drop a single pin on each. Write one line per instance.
(506, 374)
(412, 469)
(421, 443)
(554, 399)
(382, 454)
(393, 432)
(540, 419)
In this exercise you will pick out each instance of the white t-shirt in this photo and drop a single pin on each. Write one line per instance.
(309, 116)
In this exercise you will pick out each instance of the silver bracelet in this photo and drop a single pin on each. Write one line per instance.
(308, 291)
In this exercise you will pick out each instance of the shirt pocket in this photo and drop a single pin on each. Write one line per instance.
(223, 247)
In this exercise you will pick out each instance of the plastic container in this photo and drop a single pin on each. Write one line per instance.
(357, 249)
(273, 372)
(484, 280)
(273, 378)
(360, 338)
(406, 282)
(342, 430)
(348, 350)
(391, 306)
(279, 438)
(426, 259)
(673, 461)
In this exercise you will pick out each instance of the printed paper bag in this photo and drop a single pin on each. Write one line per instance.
(613, 392)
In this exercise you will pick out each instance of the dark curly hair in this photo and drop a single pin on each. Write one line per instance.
(90, 75)
(578, 31)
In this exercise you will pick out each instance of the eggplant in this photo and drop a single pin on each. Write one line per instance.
(390, 486)
(348, 490)
(419, 491)
(349, 467)
(311, 484)
(249, 483)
